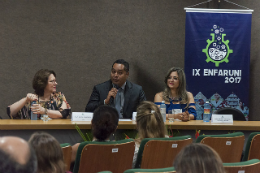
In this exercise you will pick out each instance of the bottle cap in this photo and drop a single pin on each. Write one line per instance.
(163, 101)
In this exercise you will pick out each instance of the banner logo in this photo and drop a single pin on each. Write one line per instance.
(217, 49)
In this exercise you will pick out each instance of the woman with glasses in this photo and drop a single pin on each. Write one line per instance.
(47, 100)
(176, 97)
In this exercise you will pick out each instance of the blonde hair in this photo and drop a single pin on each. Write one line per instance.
(149, 121)
(49, 153)
(181, 90)
(198, 158)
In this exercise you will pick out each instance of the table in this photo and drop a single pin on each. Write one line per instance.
(8, 124)
(64, 129)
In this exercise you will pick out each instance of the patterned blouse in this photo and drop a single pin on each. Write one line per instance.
(54, 103)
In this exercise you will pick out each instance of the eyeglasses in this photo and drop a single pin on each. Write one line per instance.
(53, 81)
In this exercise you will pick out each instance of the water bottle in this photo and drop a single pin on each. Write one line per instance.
(33, 116)
(163, 110)
(207, 113)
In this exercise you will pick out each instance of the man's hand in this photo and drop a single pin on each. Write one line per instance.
(111, 93)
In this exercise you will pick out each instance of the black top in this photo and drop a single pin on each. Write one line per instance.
(134, 94)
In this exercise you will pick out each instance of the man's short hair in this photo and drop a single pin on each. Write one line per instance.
(9, 165)
(123, 62)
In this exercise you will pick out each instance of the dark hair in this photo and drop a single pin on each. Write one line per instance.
(149, 121)
(198, 158)
(40, 80)
(49, 153)
(9, 165)
(104, 122)
(122, 61)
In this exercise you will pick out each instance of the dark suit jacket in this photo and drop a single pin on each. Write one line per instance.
(134, 94)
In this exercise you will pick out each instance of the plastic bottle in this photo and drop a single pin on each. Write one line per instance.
(33, 116)
(207, 113)
(163, 110)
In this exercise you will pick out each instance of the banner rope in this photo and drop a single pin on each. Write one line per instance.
(224, 0)
(199, 3)
(237, 4)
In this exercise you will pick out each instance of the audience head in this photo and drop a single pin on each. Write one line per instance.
(49, 153)
(198, 158)
(149, 121)
(16, 156)
(42, 80)
(104, 122)
(180, 84)
(119, 72)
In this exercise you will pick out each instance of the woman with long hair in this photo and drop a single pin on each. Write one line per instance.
(149, 124)
(198, 158)
(176, 96)
(48, 152)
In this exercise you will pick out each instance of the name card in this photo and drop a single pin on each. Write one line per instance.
(134, 116)
(222, 118)
(176, 111)
(81, 116)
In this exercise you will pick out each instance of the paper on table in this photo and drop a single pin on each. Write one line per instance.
(125, 120)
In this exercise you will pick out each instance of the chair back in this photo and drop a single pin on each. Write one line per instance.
(160, 152)
(161, 170)
(66, 149)
(252, 147)
(228, 146)
(243, 167)
(116, 156)
(237, 114)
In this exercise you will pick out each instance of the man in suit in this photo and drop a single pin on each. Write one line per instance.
(117, 92)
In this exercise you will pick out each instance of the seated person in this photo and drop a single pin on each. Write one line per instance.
(176, 96)
(48, 152)
(16, 156)
(117, 92)
(48, 101)
(198, 158)
(104, 124)
(149, 124)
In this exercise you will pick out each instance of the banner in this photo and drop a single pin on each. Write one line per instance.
(217, 58)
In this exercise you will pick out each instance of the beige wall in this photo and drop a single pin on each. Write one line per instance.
(81, 39)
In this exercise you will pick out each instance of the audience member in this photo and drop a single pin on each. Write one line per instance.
(16, 156)
(117, 92)
(48, 101)
(49, 153)
(176, 97)
(104, 124)
(149, 123)
(198, 158)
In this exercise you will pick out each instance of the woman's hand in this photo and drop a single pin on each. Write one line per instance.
(186, 116)
(31, 97)
(37, 109)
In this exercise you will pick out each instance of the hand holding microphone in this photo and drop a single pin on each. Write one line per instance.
(112, 93)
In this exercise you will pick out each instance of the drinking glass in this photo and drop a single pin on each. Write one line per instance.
(45, 117)
(171, 116)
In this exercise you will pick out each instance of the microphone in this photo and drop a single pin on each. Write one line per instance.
(111, 101)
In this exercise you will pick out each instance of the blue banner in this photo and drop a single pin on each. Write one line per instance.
(217, 59)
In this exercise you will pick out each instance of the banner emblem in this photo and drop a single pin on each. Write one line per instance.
(217, 49)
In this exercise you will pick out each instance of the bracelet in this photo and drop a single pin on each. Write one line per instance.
(46, 111)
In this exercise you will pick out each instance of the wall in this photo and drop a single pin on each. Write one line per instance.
(81, 39)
